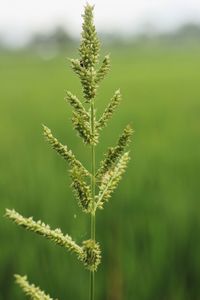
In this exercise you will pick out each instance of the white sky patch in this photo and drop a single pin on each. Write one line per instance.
(20, 18)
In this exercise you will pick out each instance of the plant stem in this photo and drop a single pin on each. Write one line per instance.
(92, 275)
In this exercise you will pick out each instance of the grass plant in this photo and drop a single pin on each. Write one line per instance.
(92, 188)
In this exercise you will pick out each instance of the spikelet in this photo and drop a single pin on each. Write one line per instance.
(81, 190)
(63, 151)
(89, 47)
(110, 109)
(114, 153)
(30, 290)
(103, 70)
(110, 180)
(39, 227)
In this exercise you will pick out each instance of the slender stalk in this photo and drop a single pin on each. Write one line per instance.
(93, 172)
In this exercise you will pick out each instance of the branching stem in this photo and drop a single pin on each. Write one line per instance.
(92, 119)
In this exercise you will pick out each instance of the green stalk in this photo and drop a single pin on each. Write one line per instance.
(93, 172)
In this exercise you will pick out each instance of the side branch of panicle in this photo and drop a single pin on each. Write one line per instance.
(103, 70)
(92, 255)
(89, 47)
(88, 253)
(114, 153)
(63, 151)
(87, 78)
(30, 290)
(81, 190)
(77, 105)
(40, 228)
(110, 109)
(110, 180)
(84, 129)
(81, 120)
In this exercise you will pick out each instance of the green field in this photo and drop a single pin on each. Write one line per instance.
(150, 230)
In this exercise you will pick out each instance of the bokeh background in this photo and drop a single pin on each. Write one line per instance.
(150, 230)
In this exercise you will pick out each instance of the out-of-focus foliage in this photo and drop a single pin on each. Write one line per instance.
(151, 241)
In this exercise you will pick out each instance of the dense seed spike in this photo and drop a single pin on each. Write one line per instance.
(30, 290)
(87, 78)
(84, 130)
(40, 228)
(110, 180)
(103, 70)
(114, 153)
(82, 190)
(89, 47)
(77, 105)
(92, 254)
(63, 151)
(110, 109)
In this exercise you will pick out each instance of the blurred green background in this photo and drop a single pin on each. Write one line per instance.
(150, 229)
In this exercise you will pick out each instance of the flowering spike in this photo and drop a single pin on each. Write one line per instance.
(114, 153)
(110, 109)
(87, 78)
(63, 151)
(39, 227)
(89, 53)
(110, 180)
(92, 254)
(81, 190)
(77, 105)
(57, 237)
(84, 130)
(103, 70)
(89, 47)
(30, 290)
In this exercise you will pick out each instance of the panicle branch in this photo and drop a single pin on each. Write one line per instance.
(81, 120)
(81, 190)
(39, 227)
(92, 254)
(110, 109)
(84, 130)
(103, 70)
(87, 78)
(84, 252)
(114, 153)
(77, 105)
(64, 151)
(110, 180)
(34, 292)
